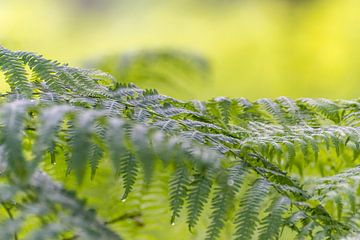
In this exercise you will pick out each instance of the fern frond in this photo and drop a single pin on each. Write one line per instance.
(162, 68)
(50, 121)
(271, 224)
(223, 200)
(15, 73)
(13, 117)
(144, 151)
(326, 107)
(128, 169)
(199, 191)
(44, 69)
(81, 143)
(247, 216)
(47, 200)
(269, 146)
(178, 191)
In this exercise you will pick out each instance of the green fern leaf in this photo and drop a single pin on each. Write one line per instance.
(223, 200)
(271, 224)
(13, 116)
(15, 73)
(81, 143)
(178, 190)
(50, 124)
(198, 195)
(247, 216)
(44, 69)
(128, 170)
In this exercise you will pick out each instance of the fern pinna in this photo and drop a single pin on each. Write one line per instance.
(258, 169)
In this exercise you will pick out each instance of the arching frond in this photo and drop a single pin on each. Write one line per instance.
(234, 154)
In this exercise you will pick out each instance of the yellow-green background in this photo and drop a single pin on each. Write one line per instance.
(297, 48)
(257, 48)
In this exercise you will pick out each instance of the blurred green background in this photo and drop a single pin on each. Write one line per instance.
(297, 48)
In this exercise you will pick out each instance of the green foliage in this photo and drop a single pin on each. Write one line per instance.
(168, 70)
(223, 200)
(274, 220)
(198, 195)
(178, 191)
(231, 154)
(250, 204)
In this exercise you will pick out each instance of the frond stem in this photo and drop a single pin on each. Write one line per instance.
(134, 216)
(11, 216)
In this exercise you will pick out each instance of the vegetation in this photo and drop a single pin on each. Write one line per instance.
(257, 49)
(254, 169)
